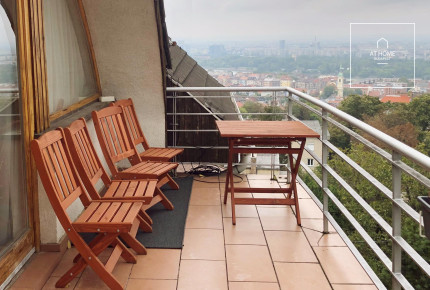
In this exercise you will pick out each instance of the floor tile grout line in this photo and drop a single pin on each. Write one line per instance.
(268, 249)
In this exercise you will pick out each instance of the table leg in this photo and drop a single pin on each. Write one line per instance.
(230, 177)
(227, 177)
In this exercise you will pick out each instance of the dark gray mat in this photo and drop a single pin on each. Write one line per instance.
(169, 225)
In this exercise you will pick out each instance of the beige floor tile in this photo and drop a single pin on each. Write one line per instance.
(301, 276)
(258, 176)
(205, 196)
(85, 284)
(197, 183)
(318, 239)
(90, 279)
(249, 263)
(353, 287)
(139, 284)
(340, 266)
(277, 219)
(66, 263)
(157, 264)
(316, 225)
(204, 217)
(289, 247)
(263, 183)
(50, 284)
(247, 231)
(243, 211)
(253, 286)
(309, 209)
(38, 270)
(198, 274)
(203, 244)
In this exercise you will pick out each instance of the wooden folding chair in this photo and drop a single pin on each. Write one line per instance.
(136, 133)
(91, 172)
(117, 145)
(109, 220)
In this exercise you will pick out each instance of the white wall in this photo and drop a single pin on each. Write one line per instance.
(126, 46)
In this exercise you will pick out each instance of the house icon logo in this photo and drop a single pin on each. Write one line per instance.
(381, 54)
(382, 43)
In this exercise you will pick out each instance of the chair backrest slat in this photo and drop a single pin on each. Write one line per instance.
(132, 122)
(114, 139)
(85, 157)
(57, 172)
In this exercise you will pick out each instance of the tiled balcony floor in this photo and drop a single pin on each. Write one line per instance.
(265, 250)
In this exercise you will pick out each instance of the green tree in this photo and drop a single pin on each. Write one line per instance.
(360, 106)
(419, 109)
(328, 91)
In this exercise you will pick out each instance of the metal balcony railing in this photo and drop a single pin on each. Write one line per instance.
(335, 117)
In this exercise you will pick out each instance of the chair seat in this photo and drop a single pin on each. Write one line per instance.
(147, 169)
(160, 154)
(134, 190)
(108, 217)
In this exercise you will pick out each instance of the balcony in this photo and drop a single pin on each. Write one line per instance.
(266, 249)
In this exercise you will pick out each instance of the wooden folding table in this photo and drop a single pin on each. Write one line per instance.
(265, 137)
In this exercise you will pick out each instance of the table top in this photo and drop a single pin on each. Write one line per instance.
(265, 129)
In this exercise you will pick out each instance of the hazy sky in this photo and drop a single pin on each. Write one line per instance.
(300, 20)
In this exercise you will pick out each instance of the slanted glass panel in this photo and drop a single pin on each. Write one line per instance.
(13, 197)
(69, 65)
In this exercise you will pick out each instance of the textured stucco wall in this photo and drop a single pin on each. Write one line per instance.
(125, 41)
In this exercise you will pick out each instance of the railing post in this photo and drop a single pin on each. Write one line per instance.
(290, 113)
(396, 220)
(324, 157)
(290, 106)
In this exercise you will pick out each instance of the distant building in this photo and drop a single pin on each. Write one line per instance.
(396, 99)
(339, 85)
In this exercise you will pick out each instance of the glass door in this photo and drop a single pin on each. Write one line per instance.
(13, 196)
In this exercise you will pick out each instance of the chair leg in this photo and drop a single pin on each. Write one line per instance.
(164, 200)
(145, 216)
(144, 225)
(134, 244)
(172, 183)
(99, 244)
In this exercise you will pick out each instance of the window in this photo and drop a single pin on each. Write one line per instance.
(310, 146)
(69, 64)
(310, 162)
(13, 201)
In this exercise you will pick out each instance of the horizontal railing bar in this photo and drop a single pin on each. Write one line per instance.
(5, 91)
(227, 89)
(356, 253)
(396, 145)
(216, 113)
(393, 143)
(387, 156)
(190, 130)
(342, 234)
(372, 244)
(384, 225)
(388, 193)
